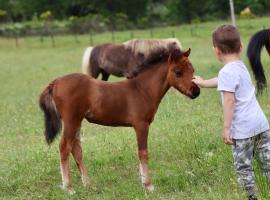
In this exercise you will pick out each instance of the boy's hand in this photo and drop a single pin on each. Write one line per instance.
(198, 81)
(209, 83)
(226, 136)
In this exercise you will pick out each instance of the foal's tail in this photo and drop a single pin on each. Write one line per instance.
(51, 116)
(86, 67)
(255, 46)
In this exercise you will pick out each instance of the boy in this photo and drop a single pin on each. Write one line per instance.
(245, 125)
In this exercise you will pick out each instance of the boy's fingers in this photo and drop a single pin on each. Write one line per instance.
(194, 80)
(228, 141)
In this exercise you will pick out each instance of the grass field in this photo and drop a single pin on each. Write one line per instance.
(187, 157)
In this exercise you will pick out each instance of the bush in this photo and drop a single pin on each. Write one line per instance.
(247, 14)
(143, 22)
(119, 21)
(81, 25)
(3, 16)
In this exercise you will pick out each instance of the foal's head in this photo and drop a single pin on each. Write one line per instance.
(180, 74)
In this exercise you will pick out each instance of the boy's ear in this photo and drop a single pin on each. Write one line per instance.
(217, 50)
(241, 47)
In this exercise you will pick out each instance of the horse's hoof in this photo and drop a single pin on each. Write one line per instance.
(86, 181)
(69, 190)
(149, 188)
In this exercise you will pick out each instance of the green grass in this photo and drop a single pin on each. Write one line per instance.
(187, 157)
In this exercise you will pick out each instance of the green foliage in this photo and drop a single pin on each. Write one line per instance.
(99, 16)
(88, 23)
(47, 15)
(120, 21)
(143, 22)
(156, 11)
(3, 15)
(247, 13)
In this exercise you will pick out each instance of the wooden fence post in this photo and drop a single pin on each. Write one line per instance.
(112, 35)
(52, 38)
(91, 38)
(173, 34)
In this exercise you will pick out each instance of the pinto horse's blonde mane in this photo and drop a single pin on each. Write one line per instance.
(147, 46)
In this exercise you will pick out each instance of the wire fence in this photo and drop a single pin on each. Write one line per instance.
(112, 36)
(193, 30)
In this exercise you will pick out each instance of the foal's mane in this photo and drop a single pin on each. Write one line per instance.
(157, 57)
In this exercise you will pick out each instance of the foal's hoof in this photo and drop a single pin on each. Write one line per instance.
(86, 181)
(69, 190)
(149, 188)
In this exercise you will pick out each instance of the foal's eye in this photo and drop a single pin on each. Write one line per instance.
(178, 73)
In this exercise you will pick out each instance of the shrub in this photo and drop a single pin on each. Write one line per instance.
(247, 14)
(3, 15)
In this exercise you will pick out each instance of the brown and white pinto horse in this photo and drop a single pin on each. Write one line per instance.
(129, 103)
(125, 59)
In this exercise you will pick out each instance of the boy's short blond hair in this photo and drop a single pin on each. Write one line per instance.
(227, 39)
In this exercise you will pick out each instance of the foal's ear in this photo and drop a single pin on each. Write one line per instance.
(174, 56)
(186, 54)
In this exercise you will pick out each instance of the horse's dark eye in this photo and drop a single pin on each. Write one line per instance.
(178, 73)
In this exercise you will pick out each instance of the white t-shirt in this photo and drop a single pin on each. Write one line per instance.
(248, 117)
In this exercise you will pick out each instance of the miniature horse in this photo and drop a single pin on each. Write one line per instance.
(256, 43)
(124, 59)
(129, 103)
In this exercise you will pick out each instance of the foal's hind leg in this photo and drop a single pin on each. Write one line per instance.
(77, 154)
(65, 147)
(142, 134)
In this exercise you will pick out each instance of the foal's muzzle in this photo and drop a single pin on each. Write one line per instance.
(195, 92)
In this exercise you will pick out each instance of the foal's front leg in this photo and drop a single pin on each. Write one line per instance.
(142, 134)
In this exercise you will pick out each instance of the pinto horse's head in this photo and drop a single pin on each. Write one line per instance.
(180, 74)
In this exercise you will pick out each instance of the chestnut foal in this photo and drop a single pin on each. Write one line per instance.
(130, 103)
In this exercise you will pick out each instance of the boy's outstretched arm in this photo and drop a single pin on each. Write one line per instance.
(210, 83)
(229, 103)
